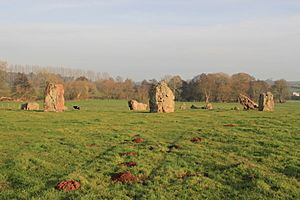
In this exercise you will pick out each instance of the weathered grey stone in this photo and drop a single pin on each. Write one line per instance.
(161, 98)
(266, 102)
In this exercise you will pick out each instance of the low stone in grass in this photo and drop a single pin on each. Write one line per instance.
(30, 106)
(124, 177)
(208, 106)
(134, 105)
(68, 185)
(183, 107)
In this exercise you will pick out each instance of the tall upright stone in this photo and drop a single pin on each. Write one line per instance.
(54, 98)
(266, 102)
(161, 98)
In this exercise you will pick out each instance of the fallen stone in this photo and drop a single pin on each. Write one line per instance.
(247, 102)
(134, 105)
(30, 106)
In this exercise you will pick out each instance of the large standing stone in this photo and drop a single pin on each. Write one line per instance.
(266, 102)
(247, 102)
(161, 98)
(54, 98)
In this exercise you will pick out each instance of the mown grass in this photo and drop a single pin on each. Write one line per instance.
(258, 158)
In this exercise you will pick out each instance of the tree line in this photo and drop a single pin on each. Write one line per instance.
(28, 83)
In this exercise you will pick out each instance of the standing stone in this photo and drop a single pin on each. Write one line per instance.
(54, 98)
(161, 98)
(266, 102)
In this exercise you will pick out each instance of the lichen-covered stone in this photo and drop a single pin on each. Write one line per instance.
(266, 102)
(247, 102)
(134, 105)
(30, 106)
(161, 98)
(54, 98)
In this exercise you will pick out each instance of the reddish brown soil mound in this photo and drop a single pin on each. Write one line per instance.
(124, 177)
(138, 140)
(129, 164)
(196, 139)
(230, 125)
(128, 154)
(68, 185)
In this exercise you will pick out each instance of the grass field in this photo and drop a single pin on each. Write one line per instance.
(258, 158)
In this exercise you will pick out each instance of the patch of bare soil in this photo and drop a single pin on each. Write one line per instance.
(138, 140)
(129, 164)
(196, 139)
(68, 185)
(124, 177)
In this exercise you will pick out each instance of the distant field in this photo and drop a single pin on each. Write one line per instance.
(257, 156)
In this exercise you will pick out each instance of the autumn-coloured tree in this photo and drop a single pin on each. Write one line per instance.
(281, 90)
(81, 88)
(4, 89)
(240, 84)
(258, 87)
(142, 93)
(221, 87)
(22, 88)
(175, 83)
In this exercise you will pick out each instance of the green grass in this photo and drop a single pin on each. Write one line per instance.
(257, 159)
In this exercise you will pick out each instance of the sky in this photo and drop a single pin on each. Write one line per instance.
(145, 39)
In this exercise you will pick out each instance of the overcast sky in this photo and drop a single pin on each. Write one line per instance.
(144, 39)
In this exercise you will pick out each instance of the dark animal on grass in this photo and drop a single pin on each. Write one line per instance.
(76, 107)
(195, 107)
